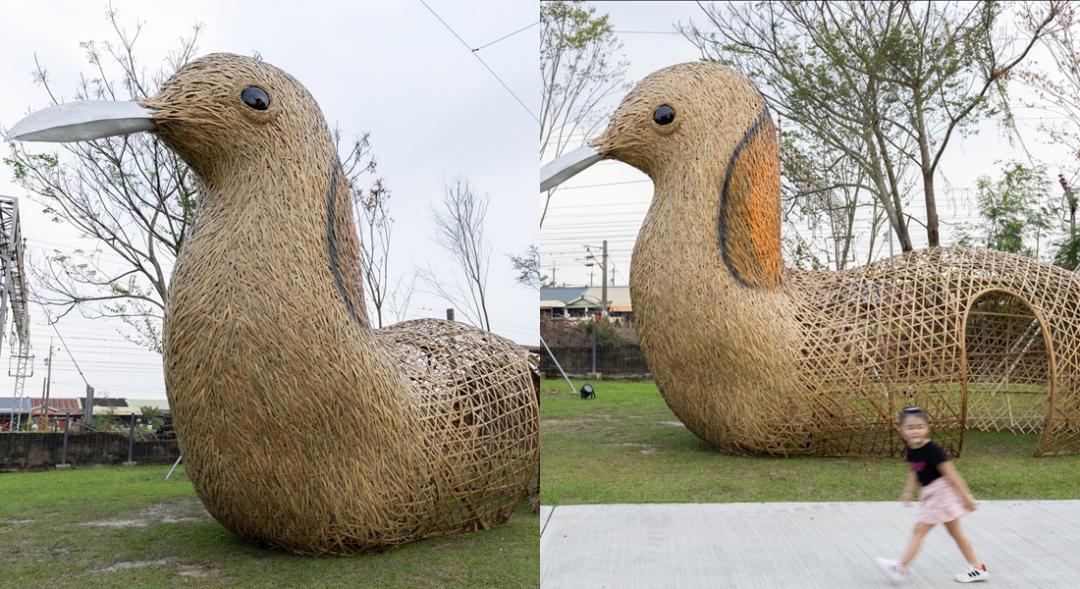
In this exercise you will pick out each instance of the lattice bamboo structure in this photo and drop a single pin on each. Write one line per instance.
(301, 426)
(754, 358)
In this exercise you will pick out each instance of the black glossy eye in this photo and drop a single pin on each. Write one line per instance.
(663, 115)
(256, 98)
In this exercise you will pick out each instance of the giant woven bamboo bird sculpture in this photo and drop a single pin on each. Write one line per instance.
(300, 425)
(755, 358)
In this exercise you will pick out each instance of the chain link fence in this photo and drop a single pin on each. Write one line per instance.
(42, 450)
(625, 360)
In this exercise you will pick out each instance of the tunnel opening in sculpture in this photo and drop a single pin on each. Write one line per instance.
(1008, 366)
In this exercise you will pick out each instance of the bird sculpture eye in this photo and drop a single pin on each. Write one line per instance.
(663, 115)
(256, 98)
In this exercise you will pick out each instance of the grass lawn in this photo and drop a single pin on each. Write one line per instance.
(626, 446)
(126, 527)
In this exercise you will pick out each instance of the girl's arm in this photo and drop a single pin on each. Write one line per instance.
(948, 470)
(909, 488)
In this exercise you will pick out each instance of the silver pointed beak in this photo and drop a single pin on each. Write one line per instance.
(567, 166)
(80, 121)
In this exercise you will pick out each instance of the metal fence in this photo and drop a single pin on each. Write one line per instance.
(621, 360)
(38, 450)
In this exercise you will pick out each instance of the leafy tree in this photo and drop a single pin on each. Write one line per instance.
(1016, 212)
(577, 74)
(885, 83)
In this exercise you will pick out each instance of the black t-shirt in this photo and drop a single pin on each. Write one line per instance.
(925, 460)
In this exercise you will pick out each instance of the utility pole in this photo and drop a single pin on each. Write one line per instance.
(603, 291)
(603, 263)
(48, 387)
(552, 273)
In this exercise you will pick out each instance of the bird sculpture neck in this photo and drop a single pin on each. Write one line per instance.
(273, 258)
(706, 282)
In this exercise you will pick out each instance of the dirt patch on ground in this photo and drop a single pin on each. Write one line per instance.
(643, 448)
(197, 570)
(158, 513)
(576, 422)
(133, 564)
(182, 569)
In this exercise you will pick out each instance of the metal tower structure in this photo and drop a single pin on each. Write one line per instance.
(13, 298)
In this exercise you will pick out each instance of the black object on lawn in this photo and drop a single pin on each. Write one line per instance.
(587, 391)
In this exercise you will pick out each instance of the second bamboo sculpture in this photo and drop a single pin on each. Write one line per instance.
(300, 425)
(758, 359)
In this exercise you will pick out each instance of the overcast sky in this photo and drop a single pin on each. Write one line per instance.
(386, 67)
(583, 213)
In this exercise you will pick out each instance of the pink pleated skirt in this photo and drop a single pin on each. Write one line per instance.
(940, 503)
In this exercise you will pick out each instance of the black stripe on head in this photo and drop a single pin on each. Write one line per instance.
(722, 222)
(331, 240)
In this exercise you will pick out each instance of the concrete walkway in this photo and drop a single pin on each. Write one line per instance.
(831, 545)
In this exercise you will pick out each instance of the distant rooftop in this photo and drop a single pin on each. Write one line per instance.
(578, 297)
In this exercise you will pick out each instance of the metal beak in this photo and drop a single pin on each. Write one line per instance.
(80, 121)
(567, 166)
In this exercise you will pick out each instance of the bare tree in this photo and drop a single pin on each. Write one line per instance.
(400, 297)
(373, 220)
(132, 195)
(1058, 88)
(576, 75)
(527, 268)
(459, 223)
(883, 82)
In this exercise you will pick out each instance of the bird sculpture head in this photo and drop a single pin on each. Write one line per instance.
(217, 113)
(702, 132)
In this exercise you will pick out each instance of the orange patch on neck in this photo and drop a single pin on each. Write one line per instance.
(750, 208)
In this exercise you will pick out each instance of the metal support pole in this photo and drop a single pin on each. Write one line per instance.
(573, 391)
(174, 465)
(131, 444)
(596, 325)
(63, 453)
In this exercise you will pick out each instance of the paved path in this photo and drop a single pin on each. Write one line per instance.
(1025, 544)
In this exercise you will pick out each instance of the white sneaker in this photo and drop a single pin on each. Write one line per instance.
(972, 574)
(893, 570)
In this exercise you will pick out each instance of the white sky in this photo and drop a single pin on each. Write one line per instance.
(386, 67)
(589, 214)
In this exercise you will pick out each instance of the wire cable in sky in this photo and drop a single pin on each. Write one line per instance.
(482, 62)
(525, 28)
(49, 320)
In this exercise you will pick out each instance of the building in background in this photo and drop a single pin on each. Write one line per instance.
(583, 302)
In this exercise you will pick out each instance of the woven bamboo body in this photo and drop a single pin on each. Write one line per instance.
(754, 358)
(301, 426)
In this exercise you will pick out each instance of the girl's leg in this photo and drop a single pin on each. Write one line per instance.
(962, 542)
(920, 532)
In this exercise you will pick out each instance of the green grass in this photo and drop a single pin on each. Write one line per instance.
(44, 544)
(626, 446)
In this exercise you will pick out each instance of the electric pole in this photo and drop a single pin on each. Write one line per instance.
(603, 263)
(603, 291)
(48, 387)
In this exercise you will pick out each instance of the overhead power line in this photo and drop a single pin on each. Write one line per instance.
(481, 60)
(525, 28)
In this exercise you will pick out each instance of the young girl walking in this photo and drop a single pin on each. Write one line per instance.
(944, 499)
